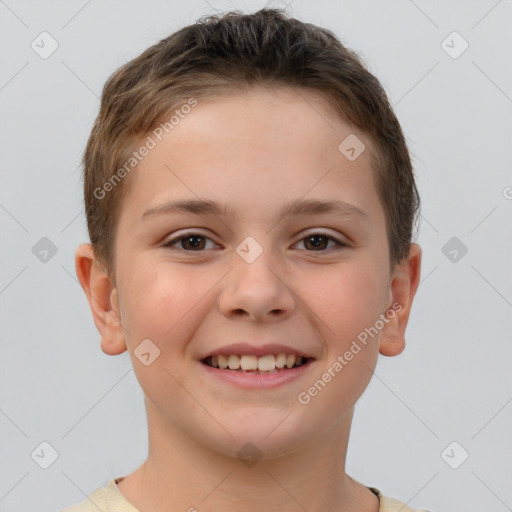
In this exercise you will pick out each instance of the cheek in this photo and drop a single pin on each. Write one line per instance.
(346, 304)
(163, 300)
(164, 304)
(346, 301)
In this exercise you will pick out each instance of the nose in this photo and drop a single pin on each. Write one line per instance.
(257, 290)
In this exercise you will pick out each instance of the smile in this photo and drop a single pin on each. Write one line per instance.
(270, 363)
(256, 372)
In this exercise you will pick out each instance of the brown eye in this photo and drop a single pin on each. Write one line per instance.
(316, 241)
(194, 242)
(319, 242)
(190, 242)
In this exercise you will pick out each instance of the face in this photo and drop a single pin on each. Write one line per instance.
(255, 276)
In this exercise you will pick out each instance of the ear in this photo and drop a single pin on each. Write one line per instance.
(403, 286)
(103, 300)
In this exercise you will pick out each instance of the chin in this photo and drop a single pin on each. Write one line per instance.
(260, 439)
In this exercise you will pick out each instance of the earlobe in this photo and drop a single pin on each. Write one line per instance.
(391, 345)
(102, 298)
(403, 287)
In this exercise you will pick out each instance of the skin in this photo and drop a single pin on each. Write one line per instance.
(254, 151)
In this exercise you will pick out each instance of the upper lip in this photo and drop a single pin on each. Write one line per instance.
(256, 350)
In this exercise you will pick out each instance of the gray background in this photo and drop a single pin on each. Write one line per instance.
(452, 383)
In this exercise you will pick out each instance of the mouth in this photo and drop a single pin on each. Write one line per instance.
(251, 364)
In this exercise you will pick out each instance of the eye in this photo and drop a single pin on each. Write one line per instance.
(319, 241)
(188, 242)
(195, 242)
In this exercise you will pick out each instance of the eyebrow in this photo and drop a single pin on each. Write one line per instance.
(293, 208)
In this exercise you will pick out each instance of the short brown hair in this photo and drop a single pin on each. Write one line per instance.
(222, 54)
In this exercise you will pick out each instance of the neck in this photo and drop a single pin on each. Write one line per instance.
(180, 474)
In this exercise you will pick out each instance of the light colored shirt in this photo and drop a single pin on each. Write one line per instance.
(110, 499)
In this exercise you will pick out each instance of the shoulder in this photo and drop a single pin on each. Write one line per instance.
(95, 502)
(104, 499)
(393, 505)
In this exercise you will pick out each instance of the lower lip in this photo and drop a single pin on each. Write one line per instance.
(257, 380)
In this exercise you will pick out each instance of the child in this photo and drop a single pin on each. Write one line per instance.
(250, 203)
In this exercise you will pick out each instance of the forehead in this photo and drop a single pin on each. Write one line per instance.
(258, 148)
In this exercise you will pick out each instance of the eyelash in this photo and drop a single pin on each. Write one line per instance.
(173, 241)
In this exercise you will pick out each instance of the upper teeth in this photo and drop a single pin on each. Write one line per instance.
(249, 362)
